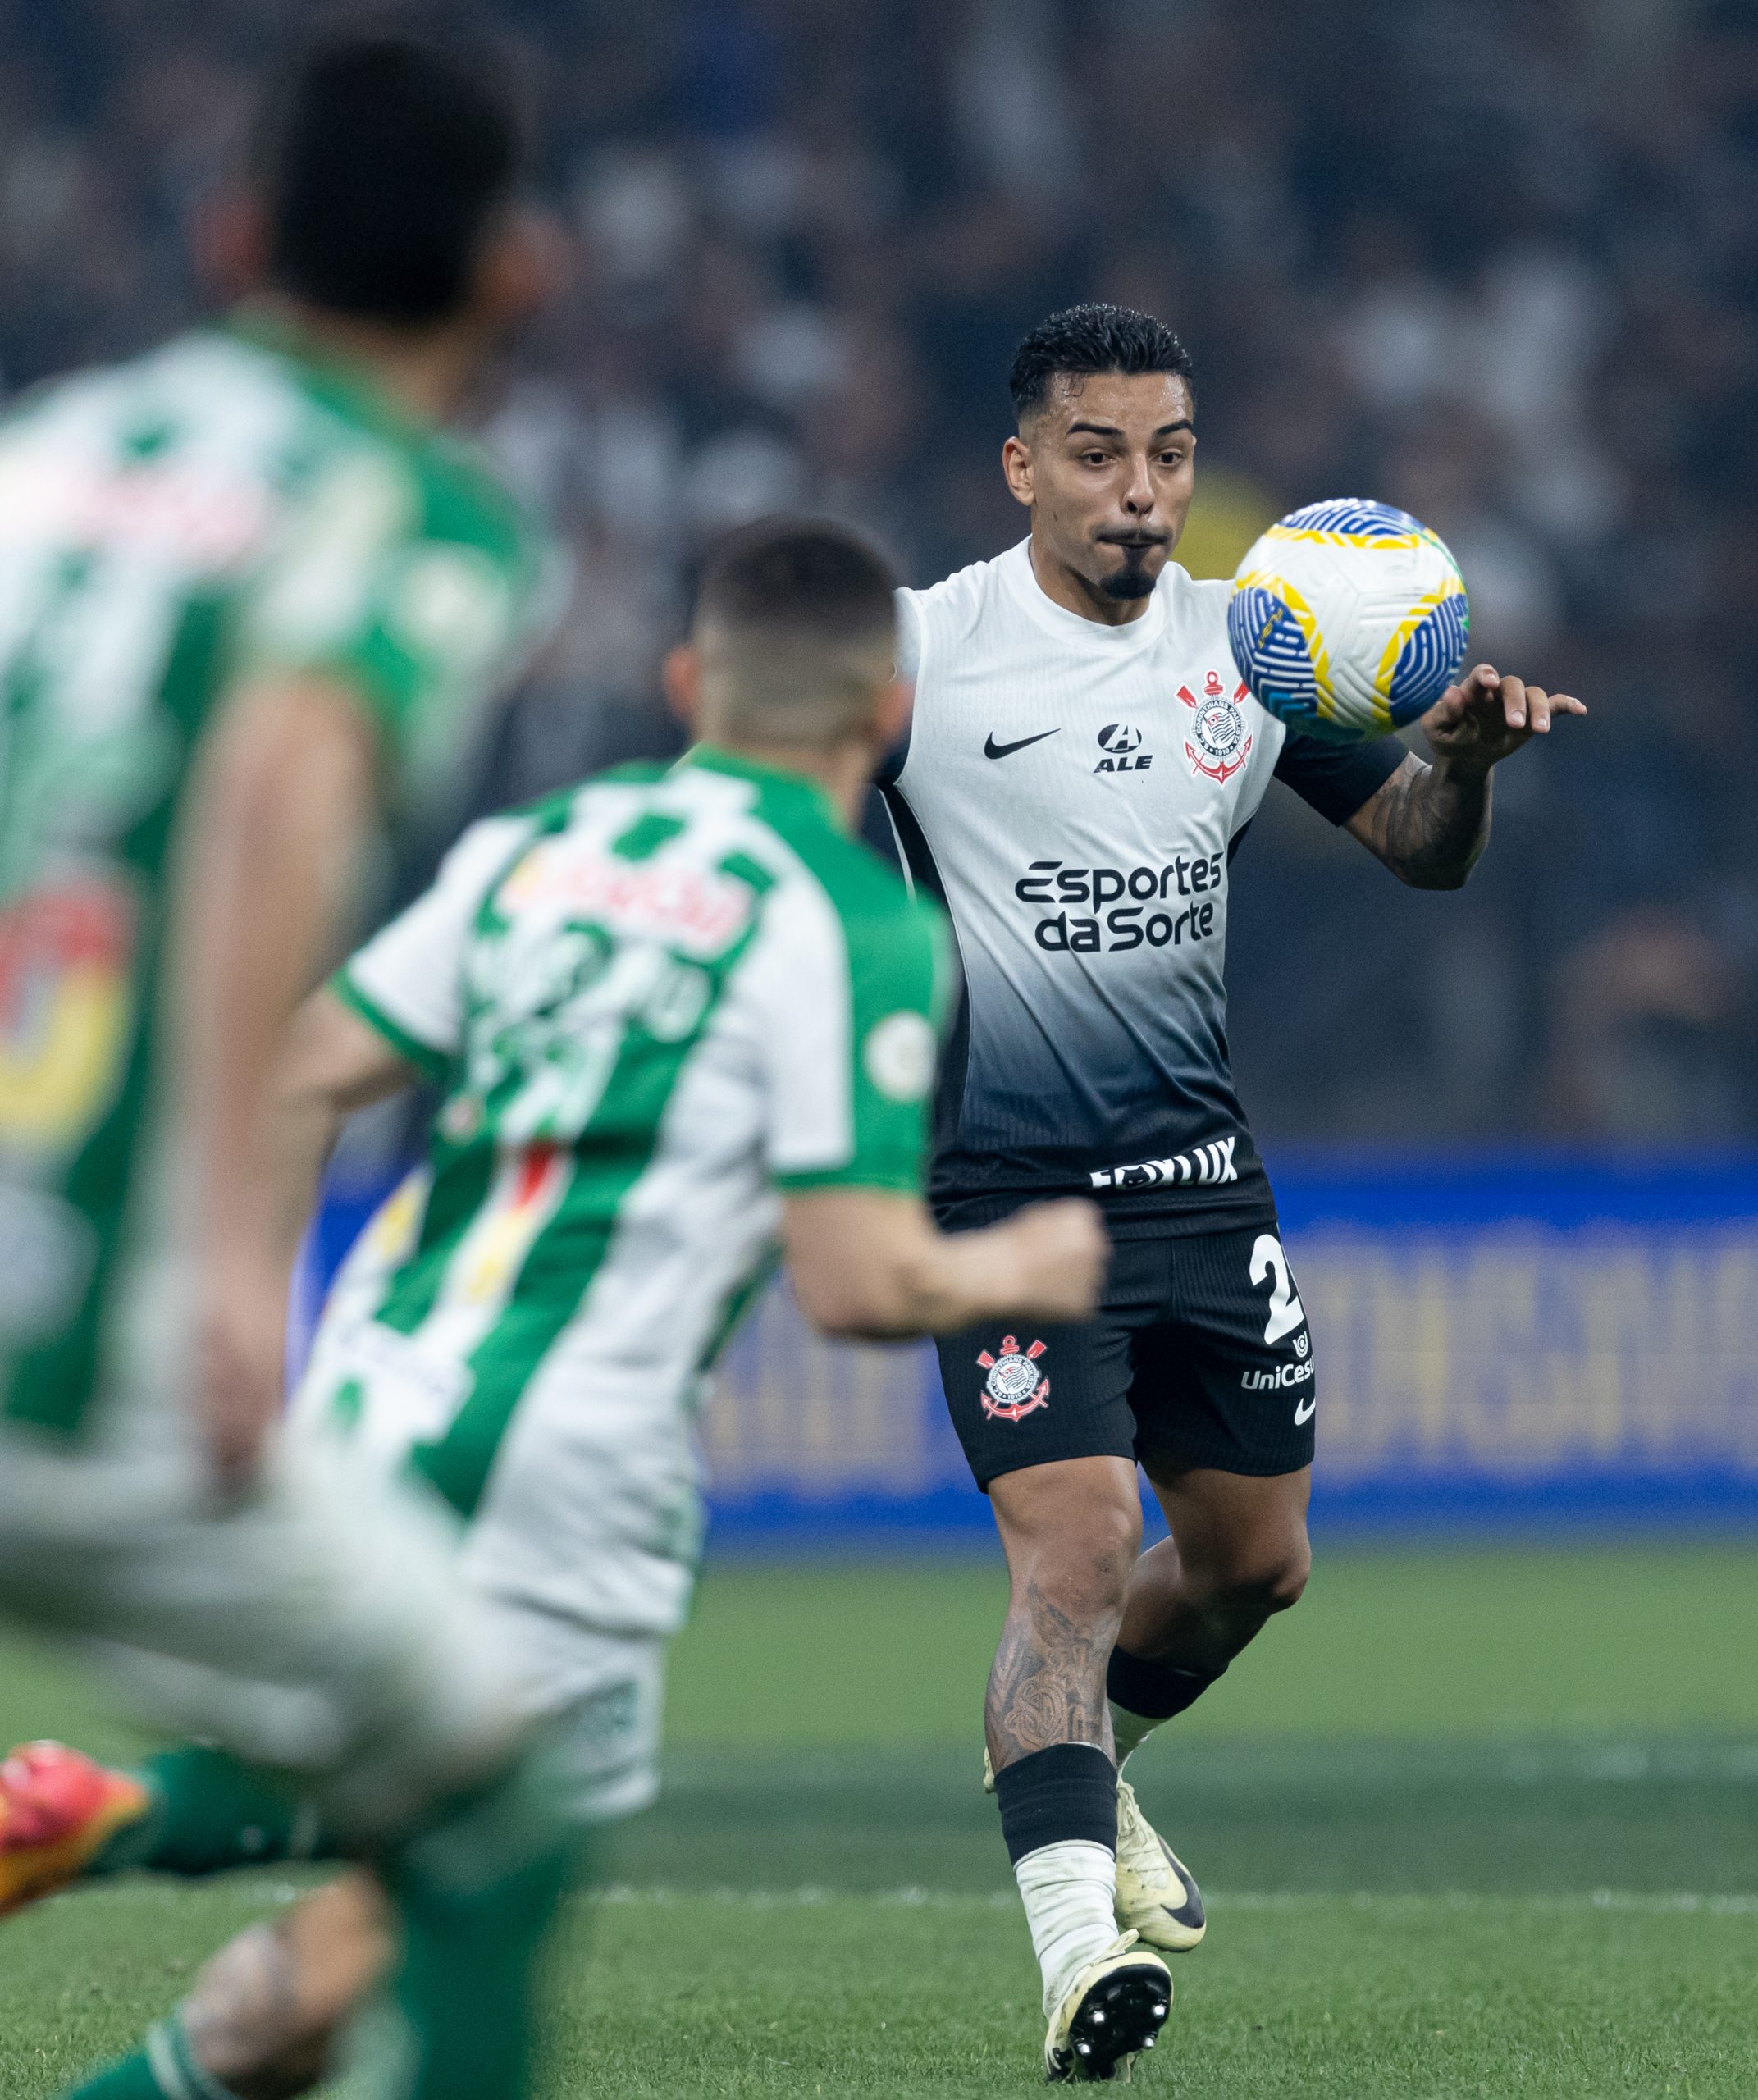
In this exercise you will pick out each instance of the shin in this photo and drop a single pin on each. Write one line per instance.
(1071, 1531)
(264, 2015)
(1237, 1555)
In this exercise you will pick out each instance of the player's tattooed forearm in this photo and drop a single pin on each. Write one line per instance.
(1429, 825)
(1048, 1682)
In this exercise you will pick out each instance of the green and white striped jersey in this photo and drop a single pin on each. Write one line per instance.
(650, 1004)
(223, 506)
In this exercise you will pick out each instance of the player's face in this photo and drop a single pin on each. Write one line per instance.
(1106, 466)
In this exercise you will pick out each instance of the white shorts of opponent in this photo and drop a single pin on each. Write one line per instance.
(318, 1624)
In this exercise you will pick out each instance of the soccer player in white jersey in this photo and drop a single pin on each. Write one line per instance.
(1082, 765)
(675, 1016)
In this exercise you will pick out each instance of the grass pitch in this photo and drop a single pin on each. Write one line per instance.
(1473, 1823)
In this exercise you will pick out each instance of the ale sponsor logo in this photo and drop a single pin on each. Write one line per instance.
(1120, 744)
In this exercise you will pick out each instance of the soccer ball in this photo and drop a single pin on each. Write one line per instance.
(1349, 617)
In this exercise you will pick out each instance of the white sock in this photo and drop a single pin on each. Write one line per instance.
(1071, 1895)
(1131, 1731)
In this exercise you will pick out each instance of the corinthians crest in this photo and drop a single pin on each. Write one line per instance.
(1015, 1386)
(1219, 743)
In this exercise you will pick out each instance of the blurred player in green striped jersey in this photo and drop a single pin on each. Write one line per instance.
(678, 1019)
(251, 595)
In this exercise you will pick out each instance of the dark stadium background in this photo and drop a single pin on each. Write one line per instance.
(1477, 1817)
(1493, 259)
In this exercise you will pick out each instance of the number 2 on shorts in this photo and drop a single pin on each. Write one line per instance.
(1286, 1312)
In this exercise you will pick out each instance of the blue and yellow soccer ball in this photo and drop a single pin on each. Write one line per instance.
(1349, 617)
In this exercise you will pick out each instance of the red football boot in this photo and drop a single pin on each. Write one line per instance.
(58, 1809)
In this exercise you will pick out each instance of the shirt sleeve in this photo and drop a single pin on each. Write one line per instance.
(851, 1007)
(407, 982)
(1337, 780)
(909, 656)
(906, 663)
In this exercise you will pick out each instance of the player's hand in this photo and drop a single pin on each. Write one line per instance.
(1479, 721)
(240, 1374)
(1062, 1249)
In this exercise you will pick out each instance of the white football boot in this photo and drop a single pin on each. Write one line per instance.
(1155, 1897)
(1113, 2010)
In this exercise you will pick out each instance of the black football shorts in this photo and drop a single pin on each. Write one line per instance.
(1199, 1356)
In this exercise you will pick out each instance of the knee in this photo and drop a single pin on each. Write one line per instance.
(1081, 1564)
(1087, 1574)
(1284, 1585)
(1263, 1583)
(1250, 1579)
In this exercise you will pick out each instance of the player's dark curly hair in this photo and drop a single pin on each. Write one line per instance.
(383, 150)
(1084, 339)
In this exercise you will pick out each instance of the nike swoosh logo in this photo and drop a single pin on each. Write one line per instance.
(1304, 1410)
(993, 750)
(1189, 1912)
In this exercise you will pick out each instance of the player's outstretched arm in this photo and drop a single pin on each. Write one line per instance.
(1429, 823)
(332, 1064)
(280, 806)
(867, 1263)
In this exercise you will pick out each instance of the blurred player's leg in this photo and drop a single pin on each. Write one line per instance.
(475, 1885)
(318, 1626)
(192, 1810)
(195, 1810)
(262, 2017)
(265, 2015)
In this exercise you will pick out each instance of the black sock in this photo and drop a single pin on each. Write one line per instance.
(1154, 1690)
(1053, 1797)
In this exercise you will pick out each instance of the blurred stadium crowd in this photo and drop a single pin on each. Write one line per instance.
(1496, 260)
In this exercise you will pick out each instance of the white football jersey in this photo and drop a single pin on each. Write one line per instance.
(1073, 792)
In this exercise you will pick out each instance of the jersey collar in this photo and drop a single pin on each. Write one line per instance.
(775, 781)
(1029, 595)
(348, 384)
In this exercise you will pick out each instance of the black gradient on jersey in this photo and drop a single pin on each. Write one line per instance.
(955, 1059)
(1027, 1110)
(1035, 1092)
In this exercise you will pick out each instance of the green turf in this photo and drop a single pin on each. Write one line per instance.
(1473, 1823)
(1398, 1997)
(1484, 1641)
